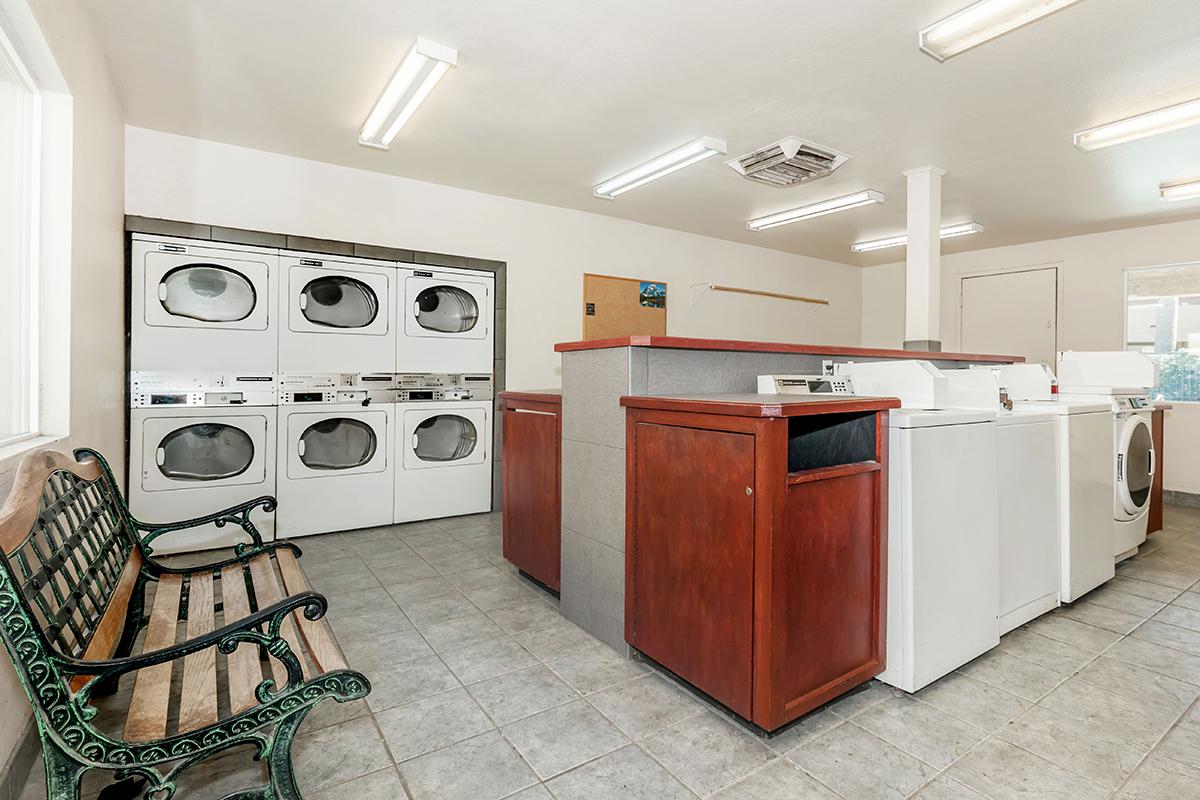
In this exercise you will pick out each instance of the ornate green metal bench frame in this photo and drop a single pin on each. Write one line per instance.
(67, 536)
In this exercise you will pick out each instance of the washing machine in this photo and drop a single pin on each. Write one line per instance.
(1027, 471)
(338, 315)
(209, 306)
(1085, 479)
(446, 321)
(200, 443)
(444, 455)
(1122, 380)
(336, 452)
(943, 549)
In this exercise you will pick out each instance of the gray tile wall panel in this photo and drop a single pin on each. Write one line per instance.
(593, 381)
(325, 246)
(501, 325)
(382, 253)
(167, 227)
(439, 259)
(676, 371)
(502, 287)
(593, 588)
(254, 238)
(593, 487)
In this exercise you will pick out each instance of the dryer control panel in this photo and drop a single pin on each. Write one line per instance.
(437, 387)
(337, 387)
(155, 389)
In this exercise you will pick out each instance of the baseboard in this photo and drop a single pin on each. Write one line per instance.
(16, 772)
(1188, 499)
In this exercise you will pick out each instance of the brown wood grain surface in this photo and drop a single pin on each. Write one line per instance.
(245, 669)
(147, 716)
(21, 508)
(317, 634)
(532, 538)
(198, 695)
(1154, 516)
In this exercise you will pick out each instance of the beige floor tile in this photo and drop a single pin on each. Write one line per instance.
(416, 728)
(1146, 589)
(1121, 715)
(1045, 652)
(482, 661)
(521, 694)
(1162, 778)
(707, 752)
(1183, 741)
(972, 701)
(856, 764)
(860, 699)
(1182, 639)
(920, 730)
(1012, 674)
(1151, 688)
(806, 728)
(595, 668)
(1082, 635)
(382, 785)
(483, 768)
(643, 706)
(946, 788)
(1002, 771)
(780, 780)
(555, 740)
(627, 774)
(1077, 746)
(1111, 596)
(335, 755)
(1179, 616)
(409, 681)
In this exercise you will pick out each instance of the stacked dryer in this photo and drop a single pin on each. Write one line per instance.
(258, 372)
(203, 330)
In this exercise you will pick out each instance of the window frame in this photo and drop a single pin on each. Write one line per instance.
(1126, 273)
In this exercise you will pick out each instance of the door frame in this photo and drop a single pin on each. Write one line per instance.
(1057, 266)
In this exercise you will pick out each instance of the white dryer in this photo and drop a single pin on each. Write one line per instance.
(1122, 380)
(445, 320)
(444, 454)
(200, 443)
(336, 457)
(339, 314)
(209, 306)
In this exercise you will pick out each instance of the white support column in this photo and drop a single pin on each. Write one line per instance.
(923, 271)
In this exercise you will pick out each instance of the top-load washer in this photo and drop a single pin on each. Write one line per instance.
(446, 320)
(1027, 473)
(338, 315)
(1085, 479)
(199, 443)
(202, 306)
(942, 569)
(1123, 380)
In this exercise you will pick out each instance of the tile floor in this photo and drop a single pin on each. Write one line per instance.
(483, 691)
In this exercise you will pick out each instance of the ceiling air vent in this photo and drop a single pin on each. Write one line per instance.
(788, 162)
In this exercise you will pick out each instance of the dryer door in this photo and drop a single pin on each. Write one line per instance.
(441, 307)
(1135, 465)
(445, 436)
(338, 299)
(336, 442)
(204, 290)
(203, 452)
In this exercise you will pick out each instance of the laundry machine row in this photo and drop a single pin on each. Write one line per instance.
(340, 451)
(211, 306)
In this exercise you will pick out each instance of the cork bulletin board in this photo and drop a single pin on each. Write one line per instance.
(615, 306)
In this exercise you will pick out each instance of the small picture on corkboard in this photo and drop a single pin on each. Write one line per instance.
(654, 295)
(614, 306)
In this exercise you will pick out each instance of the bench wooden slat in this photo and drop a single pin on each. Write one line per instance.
(112, 624)
(198, 699)
(321, 645)
(147, 718)
(268, 590)
(245, 671)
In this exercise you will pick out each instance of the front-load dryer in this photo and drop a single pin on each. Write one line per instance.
(444, 454)
(446, 320)
(198, 444)
(336, 457)
(210, 307)
(338, 315)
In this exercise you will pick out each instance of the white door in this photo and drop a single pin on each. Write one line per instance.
(1011, 313)
(336, 442)
(1135, 465)
(204, 289)
(338, 299)
(204, 452)
(447, 321)
(441, 436)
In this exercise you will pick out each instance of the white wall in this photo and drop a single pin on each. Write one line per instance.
(1091, 308)
(96, 297)
(547, 248)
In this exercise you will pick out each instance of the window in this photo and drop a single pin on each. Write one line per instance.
(19, 132)
(1162, 320)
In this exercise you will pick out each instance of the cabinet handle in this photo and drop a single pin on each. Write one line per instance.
(749, 491)
(531, 411)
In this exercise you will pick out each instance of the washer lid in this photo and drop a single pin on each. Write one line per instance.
(934, 417)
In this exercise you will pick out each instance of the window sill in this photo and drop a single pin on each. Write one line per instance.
(11, 454)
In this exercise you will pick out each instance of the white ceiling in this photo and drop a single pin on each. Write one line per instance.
(552, 96)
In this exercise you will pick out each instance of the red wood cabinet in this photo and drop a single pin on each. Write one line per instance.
(532, 478)
(756, 545)
(1154, 517)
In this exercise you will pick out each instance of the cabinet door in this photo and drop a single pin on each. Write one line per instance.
(690, 593)
(532, 535)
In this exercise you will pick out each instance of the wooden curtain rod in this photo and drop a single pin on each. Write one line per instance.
(716, 287)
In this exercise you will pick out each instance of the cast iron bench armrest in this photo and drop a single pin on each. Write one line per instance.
(238, 514)
(226, 639)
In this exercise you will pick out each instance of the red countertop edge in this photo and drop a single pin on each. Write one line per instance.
(686, 343)
(553, 396)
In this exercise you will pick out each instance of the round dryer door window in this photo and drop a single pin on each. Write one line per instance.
(339, 302)
(207, 292)
(446, 309)
(1137, 466)
(446, 437)
(207, 451)
(334, 444)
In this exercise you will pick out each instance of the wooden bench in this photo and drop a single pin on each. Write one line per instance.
(231, 653)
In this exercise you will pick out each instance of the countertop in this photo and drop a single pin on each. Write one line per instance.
(685, 343)
(762, 405)
(533, 395)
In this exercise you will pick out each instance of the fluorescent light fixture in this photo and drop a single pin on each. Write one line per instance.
(665, 164)
(983, 22)
(855, 200)
(1152, 123)
(1181, 190)
(420, 71)
(948, 232)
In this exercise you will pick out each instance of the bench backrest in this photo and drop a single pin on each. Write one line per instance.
(67, 542)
